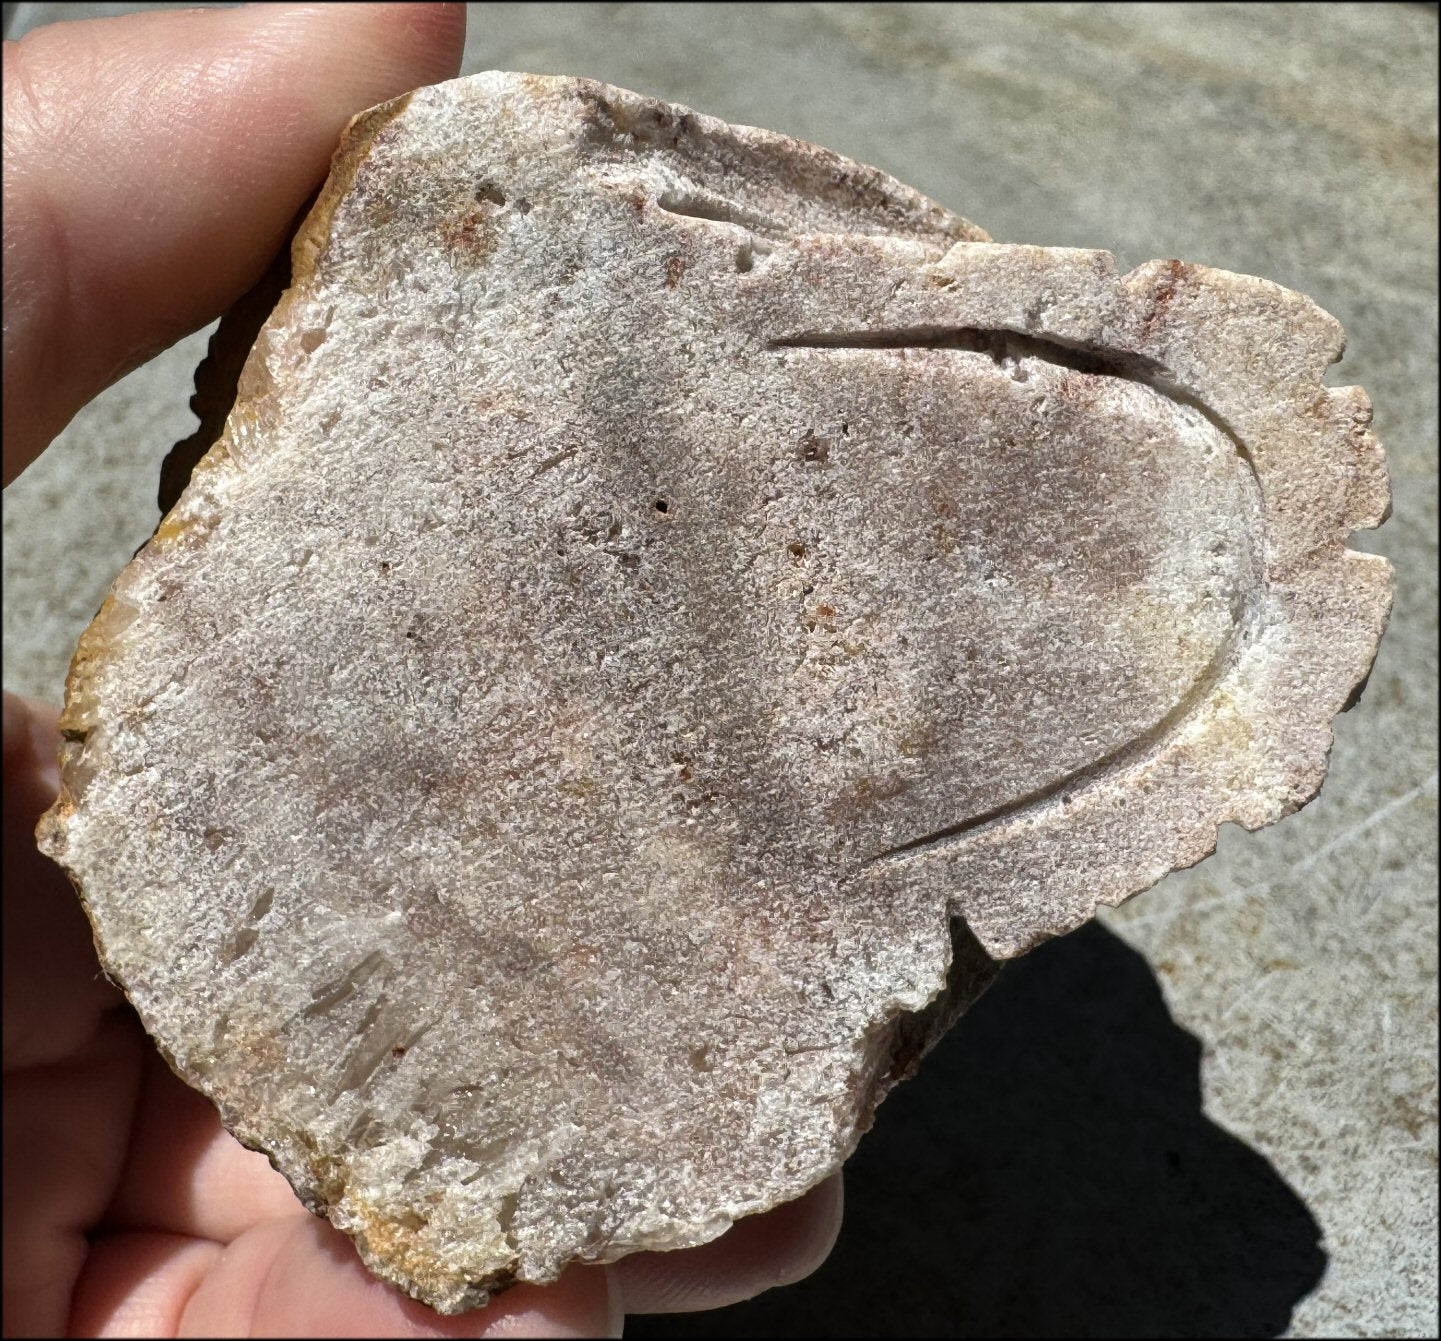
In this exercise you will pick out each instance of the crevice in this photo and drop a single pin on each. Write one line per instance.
(505, 1218)
(552, 461)
(998, 343)
(331, 994)
(750, 251)
(238, 945)
(487, 1157)
(378, 1042)
(1006, 347)
(1118, 758)
(261, 906)
(717, 209)
(915, 1033)
(355, 1136)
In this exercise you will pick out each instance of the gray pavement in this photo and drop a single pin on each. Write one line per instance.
(1215, 1113)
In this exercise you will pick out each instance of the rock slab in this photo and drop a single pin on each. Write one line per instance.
(671, 609)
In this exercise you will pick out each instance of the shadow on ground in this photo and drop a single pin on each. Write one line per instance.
(1050, 1173)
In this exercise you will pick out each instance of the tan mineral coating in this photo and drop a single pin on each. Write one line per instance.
(670, 607)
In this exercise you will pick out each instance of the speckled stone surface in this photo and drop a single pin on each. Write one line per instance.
(1282, 141)
(546, 788)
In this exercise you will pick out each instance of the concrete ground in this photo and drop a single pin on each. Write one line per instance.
(1214, 1113)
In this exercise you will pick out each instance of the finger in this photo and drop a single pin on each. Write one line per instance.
(152, 164)
(191, 1179)
(301, 1277)
(755, 1254)
(66, 1127)
(186, 1175)
(54, 992)
(139, 1284)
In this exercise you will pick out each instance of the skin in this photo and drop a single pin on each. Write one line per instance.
(152, 165)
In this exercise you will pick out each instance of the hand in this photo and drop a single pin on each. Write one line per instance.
(152, 165)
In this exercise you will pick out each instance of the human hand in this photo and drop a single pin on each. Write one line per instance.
(152, 166)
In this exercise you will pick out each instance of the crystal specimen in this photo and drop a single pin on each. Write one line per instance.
(672, 608)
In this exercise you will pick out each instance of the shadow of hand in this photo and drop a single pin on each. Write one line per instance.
(1050, 1172)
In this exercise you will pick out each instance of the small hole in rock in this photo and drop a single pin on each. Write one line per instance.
(814, 450)
(489, 194)
(661, 505)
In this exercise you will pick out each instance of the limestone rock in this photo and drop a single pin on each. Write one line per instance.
(670, 609)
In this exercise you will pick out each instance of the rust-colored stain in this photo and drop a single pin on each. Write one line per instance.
(1166, 291)
(469, 234)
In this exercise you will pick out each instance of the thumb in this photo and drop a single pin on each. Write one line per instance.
(152, 165)
(300, 1277)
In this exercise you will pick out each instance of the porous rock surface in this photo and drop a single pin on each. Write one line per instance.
(670, 610)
